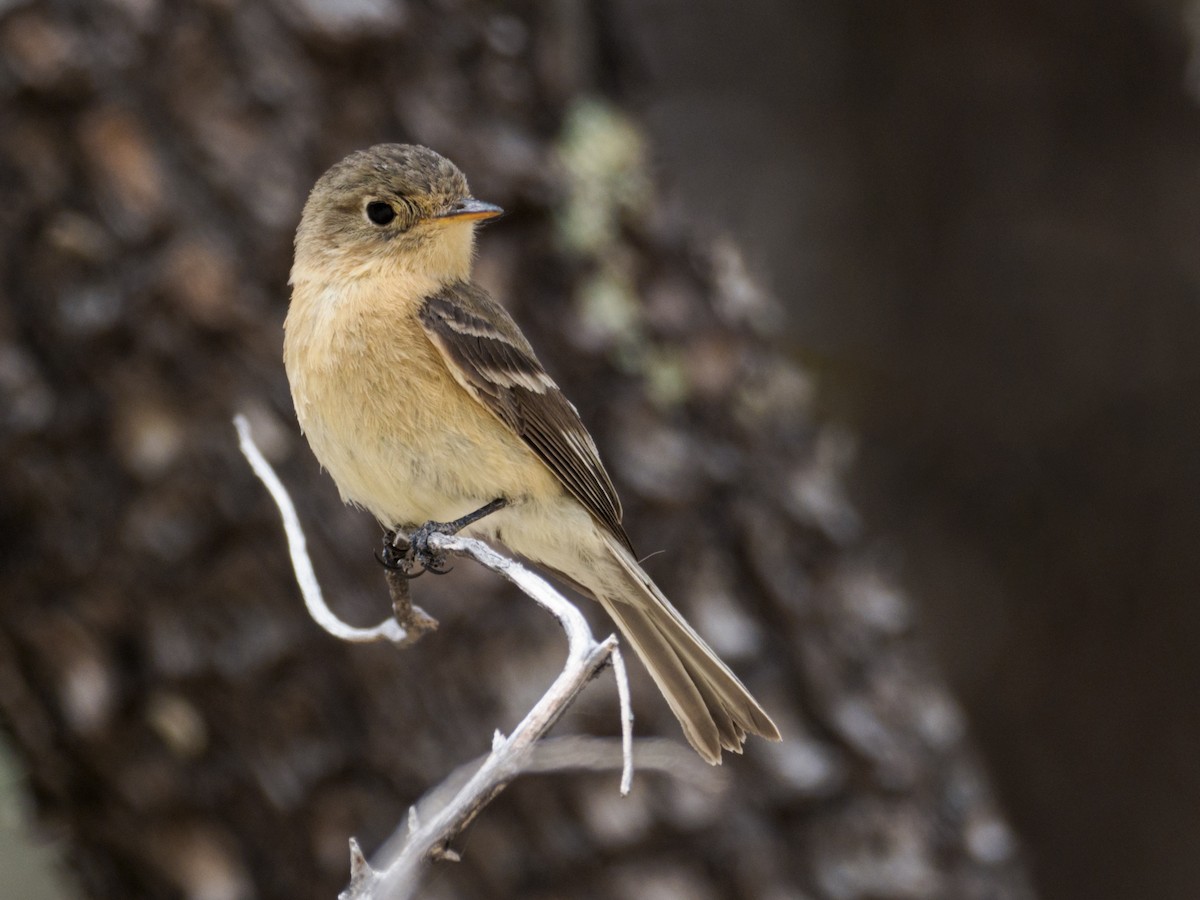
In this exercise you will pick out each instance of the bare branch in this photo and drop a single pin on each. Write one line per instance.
(658, 755)
(422, 838)
(622, 677)
(580, 754)
(510, 755)
(388, 630)
(414, 620)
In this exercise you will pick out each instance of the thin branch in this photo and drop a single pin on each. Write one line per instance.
(388, 630)
(423, 841)
(579, 754)
(414, 620)
(659, 755)
(429, 839)
(618, 662)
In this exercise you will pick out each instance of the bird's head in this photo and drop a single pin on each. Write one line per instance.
(393, 209)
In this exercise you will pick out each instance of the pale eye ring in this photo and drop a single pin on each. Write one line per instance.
(380, 213)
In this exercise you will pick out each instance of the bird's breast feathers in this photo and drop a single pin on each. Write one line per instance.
(385, 416)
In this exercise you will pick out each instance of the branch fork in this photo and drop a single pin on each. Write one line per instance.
(422, 841)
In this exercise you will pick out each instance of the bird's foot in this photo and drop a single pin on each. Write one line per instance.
(394, 554)
(412, 556)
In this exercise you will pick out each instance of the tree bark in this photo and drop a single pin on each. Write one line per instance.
(185, 728)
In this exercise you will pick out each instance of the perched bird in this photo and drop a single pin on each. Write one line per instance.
(425, 402)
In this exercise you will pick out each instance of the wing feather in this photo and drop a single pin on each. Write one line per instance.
(490, 357)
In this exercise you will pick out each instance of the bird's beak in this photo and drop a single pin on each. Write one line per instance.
(470, 208)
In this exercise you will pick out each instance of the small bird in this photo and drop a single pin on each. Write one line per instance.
(420, 395)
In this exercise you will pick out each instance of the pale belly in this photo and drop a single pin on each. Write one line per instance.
(405, 441)
(423, 464)
(413, 463)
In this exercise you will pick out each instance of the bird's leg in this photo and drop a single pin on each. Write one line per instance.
(418, 551)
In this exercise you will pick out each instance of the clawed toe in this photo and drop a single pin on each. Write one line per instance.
(411, 555)
(390, 555)
(398, 554)
(420, 553)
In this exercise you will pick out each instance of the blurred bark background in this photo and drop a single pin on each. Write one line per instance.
(984, 221)
(980, 223)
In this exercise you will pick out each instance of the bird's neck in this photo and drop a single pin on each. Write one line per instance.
(417, 269)
(339, 298)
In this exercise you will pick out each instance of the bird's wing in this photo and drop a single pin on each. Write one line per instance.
(490, 357)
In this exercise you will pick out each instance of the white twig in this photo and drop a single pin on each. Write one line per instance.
(399, 877)
(387, 630)
(426, 837)
(622, 677)
(661, 755)
(582, 754)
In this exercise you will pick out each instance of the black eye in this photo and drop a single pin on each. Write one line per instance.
(380, 213)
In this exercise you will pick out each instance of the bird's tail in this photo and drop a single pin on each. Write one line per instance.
(714, 708)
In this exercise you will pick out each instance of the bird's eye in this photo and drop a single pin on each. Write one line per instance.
(380, 213)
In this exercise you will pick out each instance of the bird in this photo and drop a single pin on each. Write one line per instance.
(421, 397)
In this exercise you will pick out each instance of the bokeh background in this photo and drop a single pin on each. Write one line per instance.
(980, 223)
(984, 221)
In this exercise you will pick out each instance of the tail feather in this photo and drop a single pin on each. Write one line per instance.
(713, 706)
